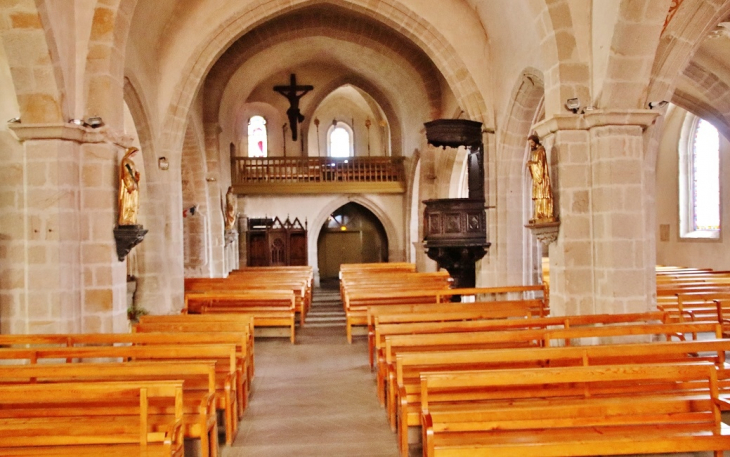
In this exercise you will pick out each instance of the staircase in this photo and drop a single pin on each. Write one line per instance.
(326, 310)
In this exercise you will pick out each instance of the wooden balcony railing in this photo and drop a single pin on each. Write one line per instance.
(317, 175)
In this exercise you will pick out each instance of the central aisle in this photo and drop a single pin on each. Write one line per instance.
(315, 398)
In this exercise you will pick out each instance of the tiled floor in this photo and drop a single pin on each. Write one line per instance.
(315, 398)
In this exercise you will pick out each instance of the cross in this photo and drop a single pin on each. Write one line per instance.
(293, 93)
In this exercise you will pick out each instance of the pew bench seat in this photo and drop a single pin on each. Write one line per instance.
(67, 419)
(586, 411)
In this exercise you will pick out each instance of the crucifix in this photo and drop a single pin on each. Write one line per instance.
(293, 93)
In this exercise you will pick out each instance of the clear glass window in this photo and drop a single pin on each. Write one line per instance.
(340, 142)
(705, 178)
(257, 144)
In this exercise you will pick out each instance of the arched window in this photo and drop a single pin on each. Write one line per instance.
(700, 181)
(341, 141)
(257, 145)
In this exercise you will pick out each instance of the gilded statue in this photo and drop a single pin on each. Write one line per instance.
(128, 189)
(231, 209)
(542, 192)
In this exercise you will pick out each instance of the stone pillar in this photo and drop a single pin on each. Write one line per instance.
(600, 262)
(216, 190)
(62, 234)
(231, 250)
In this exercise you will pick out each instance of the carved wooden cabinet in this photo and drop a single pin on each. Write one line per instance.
(271, 242)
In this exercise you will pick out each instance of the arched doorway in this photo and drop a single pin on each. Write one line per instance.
(351, 234)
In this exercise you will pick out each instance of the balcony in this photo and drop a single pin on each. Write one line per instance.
(317, 175)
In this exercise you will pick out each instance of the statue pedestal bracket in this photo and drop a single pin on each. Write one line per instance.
(127, 237)
(546, 232)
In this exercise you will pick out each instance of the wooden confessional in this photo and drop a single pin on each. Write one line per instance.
(271, 242)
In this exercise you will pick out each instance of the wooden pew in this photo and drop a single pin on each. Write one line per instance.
(356, 268)
(410, 366)
(409, 300)
(386, 373)
(522, 338)
(240, 339)
(590, 411)
(270, 308)
(445, 312)
(199, 419)
(205, 323)
(226, 395)
(247, 282)
(85, 419)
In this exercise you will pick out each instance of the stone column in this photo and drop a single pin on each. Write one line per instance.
(216, 191)
(62, 234)
(600, 262)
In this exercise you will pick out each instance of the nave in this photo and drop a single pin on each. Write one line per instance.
(315, 398)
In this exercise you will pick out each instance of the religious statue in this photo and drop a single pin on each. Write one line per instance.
(231, 213)
(293, 93)
(542, 192)
(128, 189)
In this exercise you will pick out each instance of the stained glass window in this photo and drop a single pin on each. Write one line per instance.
(705, 178)
(257, 145)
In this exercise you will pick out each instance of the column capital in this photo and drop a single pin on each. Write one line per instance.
(70, 132)
(596, 118)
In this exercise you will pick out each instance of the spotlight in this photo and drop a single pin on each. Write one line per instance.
(660, 104)
(95, 122)
(78, 122)
(162, 163)
(15, 120)
(573, 104)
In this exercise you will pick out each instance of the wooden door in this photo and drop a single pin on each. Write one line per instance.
(336, 248)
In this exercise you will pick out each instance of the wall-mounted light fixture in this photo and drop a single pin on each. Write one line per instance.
(15, 120)
(573, 104)
(95, 122)
(162, 163)
(660, 104)
(78, 122)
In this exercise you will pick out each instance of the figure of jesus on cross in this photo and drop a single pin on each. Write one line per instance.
(293, 93)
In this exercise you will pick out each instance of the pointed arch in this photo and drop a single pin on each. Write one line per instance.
(395, 244)
(39, 98)
(396, 131)
(390, 12)
(527, 96)
(104, 72)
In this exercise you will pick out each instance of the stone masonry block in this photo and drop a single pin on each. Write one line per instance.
(37, 255)
(576, 227)
(578, 254)
(97, 253)
(573, 176)
(92, 324)
(98, 300)
(578, 281)
(579, 202)
(9, 201)
(22, 20)
(627, 226)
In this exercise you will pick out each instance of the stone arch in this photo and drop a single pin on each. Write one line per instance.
(390, 12)
(195, 193)
(396, 133)
(40, 99)
(712, 87)
(153, 254)
(681, 37)
(566, 75)
(395, 244)
(386, 42)
(625, 83)
(527, 95)
(104, 72)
